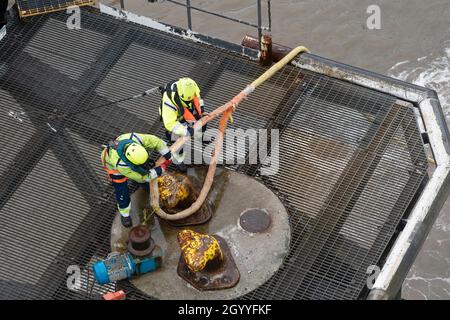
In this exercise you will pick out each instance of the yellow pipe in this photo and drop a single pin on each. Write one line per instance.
(277, 66)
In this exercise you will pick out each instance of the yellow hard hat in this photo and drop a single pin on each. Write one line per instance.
(187, 89)
(136, 154)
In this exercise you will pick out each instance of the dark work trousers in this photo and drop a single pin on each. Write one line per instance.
(123, 193)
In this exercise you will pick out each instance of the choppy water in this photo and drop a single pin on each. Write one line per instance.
(431, 71)
(429, 278)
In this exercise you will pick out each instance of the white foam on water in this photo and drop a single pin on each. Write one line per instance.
(399, 64)
(432, 71)
(441, 224)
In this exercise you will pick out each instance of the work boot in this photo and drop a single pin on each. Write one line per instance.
(126, 221)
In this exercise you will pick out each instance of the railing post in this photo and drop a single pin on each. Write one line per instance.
(259, 24)
(189, 9)
(189, 18)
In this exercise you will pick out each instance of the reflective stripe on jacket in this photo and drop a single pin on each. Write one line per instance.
(175, 112)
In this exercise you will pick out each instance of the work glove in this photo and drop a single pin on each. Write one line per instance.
(177, 158)
(165, 164)
(126, 221)
(154, 173)
(168, 155)
(158, 171)
(190, 131)
(197, 134)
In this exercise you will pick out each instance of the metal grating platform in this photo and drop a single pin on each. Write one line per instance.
(34, 7)
(351, 159)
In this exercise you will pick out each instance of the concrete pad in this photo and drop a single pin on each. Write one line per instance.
(258, 256)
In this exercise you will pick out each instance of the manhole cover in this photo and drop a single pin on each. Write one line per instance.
(254, 220)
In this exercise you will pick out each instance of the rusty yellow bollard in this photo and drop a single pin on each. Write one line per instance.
(198, 249)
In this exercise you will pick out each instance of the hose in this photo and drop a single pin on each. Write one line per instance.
(225, 111)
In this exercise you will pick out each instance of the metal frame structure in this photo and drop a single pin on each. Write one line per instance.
(427, 208)
(425, 211)
(401, 254)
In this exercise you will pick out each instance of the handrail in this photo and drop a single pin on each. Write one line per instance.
(189, 7)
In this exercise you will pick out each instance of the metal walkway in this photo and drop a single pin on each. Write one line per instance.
(352, 159)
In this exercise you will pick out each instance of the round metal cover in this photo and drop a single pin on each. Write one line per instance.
(257, 255)
(255, 220)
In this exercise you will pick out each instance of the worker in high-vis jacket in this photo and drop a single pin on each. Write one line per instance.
(127, 157)
(181, 106)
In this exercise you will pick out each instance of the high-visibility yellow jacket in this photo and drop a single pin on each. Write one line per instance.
(113, 162)
(175, 113)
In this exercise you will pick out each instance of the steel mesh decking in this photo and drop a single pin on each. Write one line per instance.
(351, 159)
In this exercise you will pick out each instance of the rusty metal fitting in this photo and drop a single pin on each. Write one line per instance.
(266, 58)
(278, 51)
(140, 242)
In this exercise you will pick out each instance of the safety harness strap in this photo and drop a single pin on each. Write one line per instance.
(176, 101)
(121, 152)
(119, 146)
(113, 174)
